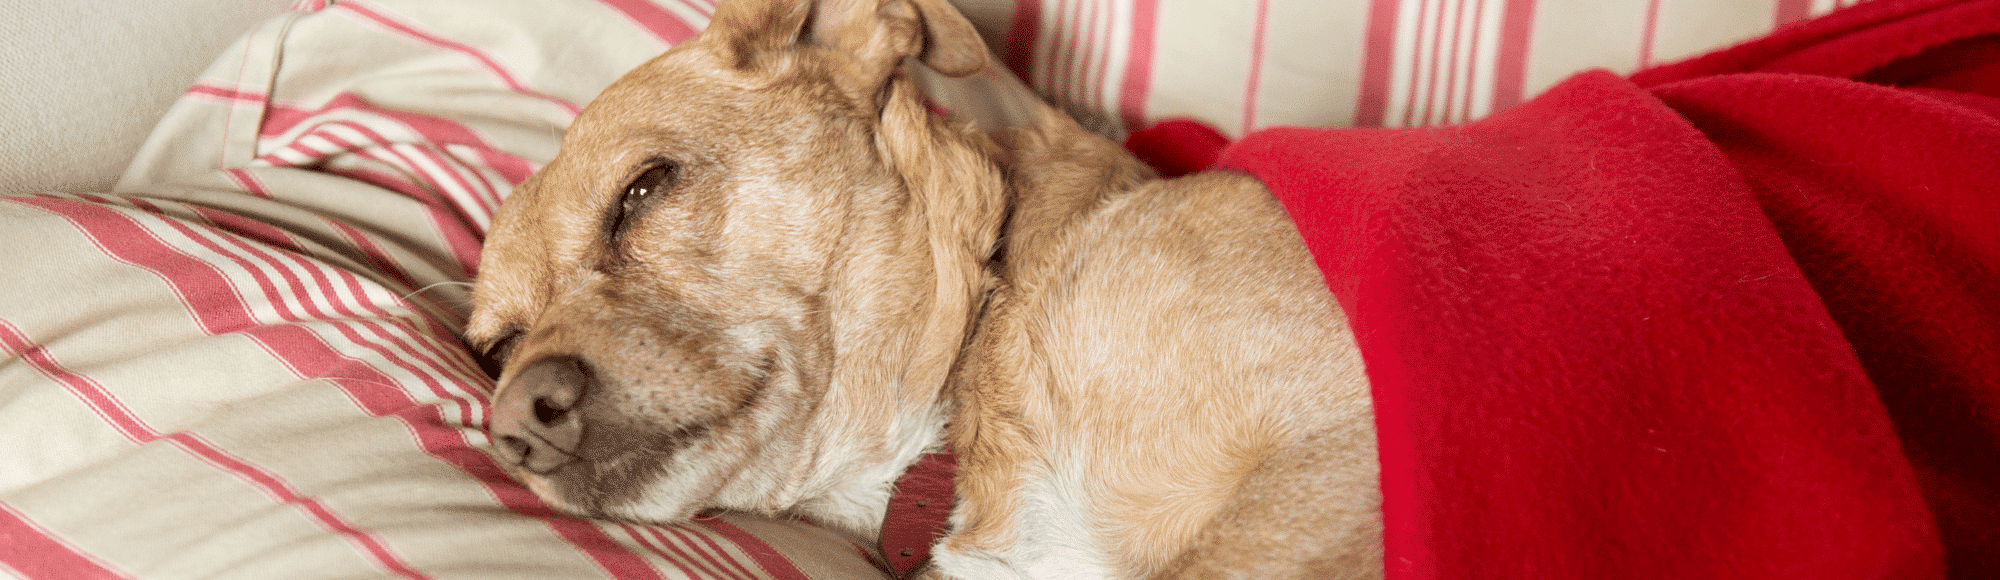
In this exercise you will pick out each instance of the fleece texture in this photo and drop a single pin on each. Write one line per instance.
(1734, 317)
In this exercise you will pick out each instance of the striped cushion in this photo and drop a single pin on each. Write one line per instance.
(1244, 64)
(245, 364)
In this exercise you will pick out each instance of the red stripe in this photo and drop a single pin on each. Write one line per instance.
(723, 553)
(1022, 34)
(739, 565)
(283, 492)
(281, 304)
(460, 236)
(512, 170)
(378, 259)
(106, 405)
(374, 14)
(703, 542)
(1652, 29)
(678, 545)
(410, 153)
(199, 289)
(663, 24)
(437, 359)
(283, 118)
(766, 557)
(1062, 51)
(1256, 66)
(643, 536)
(247, 182)
(37, 553)
(1133, 92)
(450, 220)
(400, 399)
(471, 189)
(369, 388)
(1083, 50)
(1103, 25)
(1789, 11)
(1510, 67)
(1088, 53)
(100, 401)
(427, 128)
(1378, 62)
(394, 352)
(383, 380)
(207, 88)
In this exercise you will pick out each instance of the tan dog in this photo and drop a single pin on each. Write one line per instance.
(745, 281)
(1163, 387)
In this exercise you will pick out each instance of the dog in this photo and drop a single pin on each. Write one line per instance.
(759, 275)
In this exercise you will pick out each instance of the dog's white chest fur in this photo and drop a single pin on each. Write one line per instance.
(1055, 539)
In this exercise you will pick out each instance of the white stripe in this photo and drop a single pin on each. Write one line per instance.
(694, 13)
(1403, 66)
(438, 173)
(1463, 59)
(1117, 50)
(1486, 59)
(302, 152)
(1047, 27)
(489, 178)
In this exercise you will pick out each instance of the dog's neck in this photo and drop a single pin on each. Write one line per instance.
(904, 302)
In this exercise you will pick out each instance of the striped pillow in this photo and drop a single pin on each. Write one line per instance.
(245, 363)
(1243, 64)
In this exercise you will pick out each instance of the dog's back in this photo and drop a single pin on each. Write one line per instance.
(1165, 386)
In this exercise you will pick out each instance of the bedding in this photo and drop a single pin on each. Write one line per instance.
(243, 362)
(1734, 317)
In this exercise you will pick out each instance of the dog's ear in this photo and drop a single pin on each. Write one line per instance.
(877, 34)
(949, 44)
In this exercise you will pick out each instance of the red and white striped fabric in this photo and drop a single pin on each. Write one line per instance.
(1244, 64)
(244, 363)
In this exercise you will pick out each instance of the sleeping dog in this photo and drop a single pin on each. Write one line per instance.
(760, 276)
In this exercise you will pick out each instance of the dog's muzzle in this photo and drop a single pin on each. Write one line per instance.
(534, 426)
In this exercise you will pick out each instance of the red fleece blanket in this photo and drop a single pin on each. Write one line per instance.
(1737, 317)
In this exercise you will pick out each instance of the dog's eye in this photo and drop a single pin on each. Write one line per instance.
(648, 186)
(494, 358)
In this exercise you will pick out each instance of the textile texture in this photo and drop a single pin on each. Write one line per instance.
(1733, 317)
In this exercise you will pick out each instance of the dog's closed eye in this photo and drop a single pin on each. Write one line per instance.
(652, 182)
(494, 357)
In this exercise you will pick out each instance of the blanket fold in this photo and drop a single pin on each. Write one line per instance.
(1733, 317)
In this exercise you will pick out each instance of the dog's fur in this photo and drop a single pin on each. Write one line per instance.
(1158, 384)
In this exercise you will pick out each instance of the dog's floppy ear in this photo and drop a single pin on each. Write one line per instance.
(877, 34)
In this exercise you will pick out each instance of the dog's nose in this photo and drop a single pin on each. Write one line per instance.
(534, 423)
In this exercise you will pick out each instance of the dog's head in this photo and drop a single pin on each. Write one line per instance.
(746, 272)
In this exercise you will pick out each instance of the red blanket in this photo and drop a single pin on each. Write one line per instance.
(1737, 317)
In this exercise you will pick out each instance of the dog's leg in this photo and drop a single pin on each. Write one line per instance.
(991, 442)
(1309, 511)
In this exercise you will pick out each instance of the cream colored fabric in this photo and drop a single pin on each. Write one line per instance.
(84, 81)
